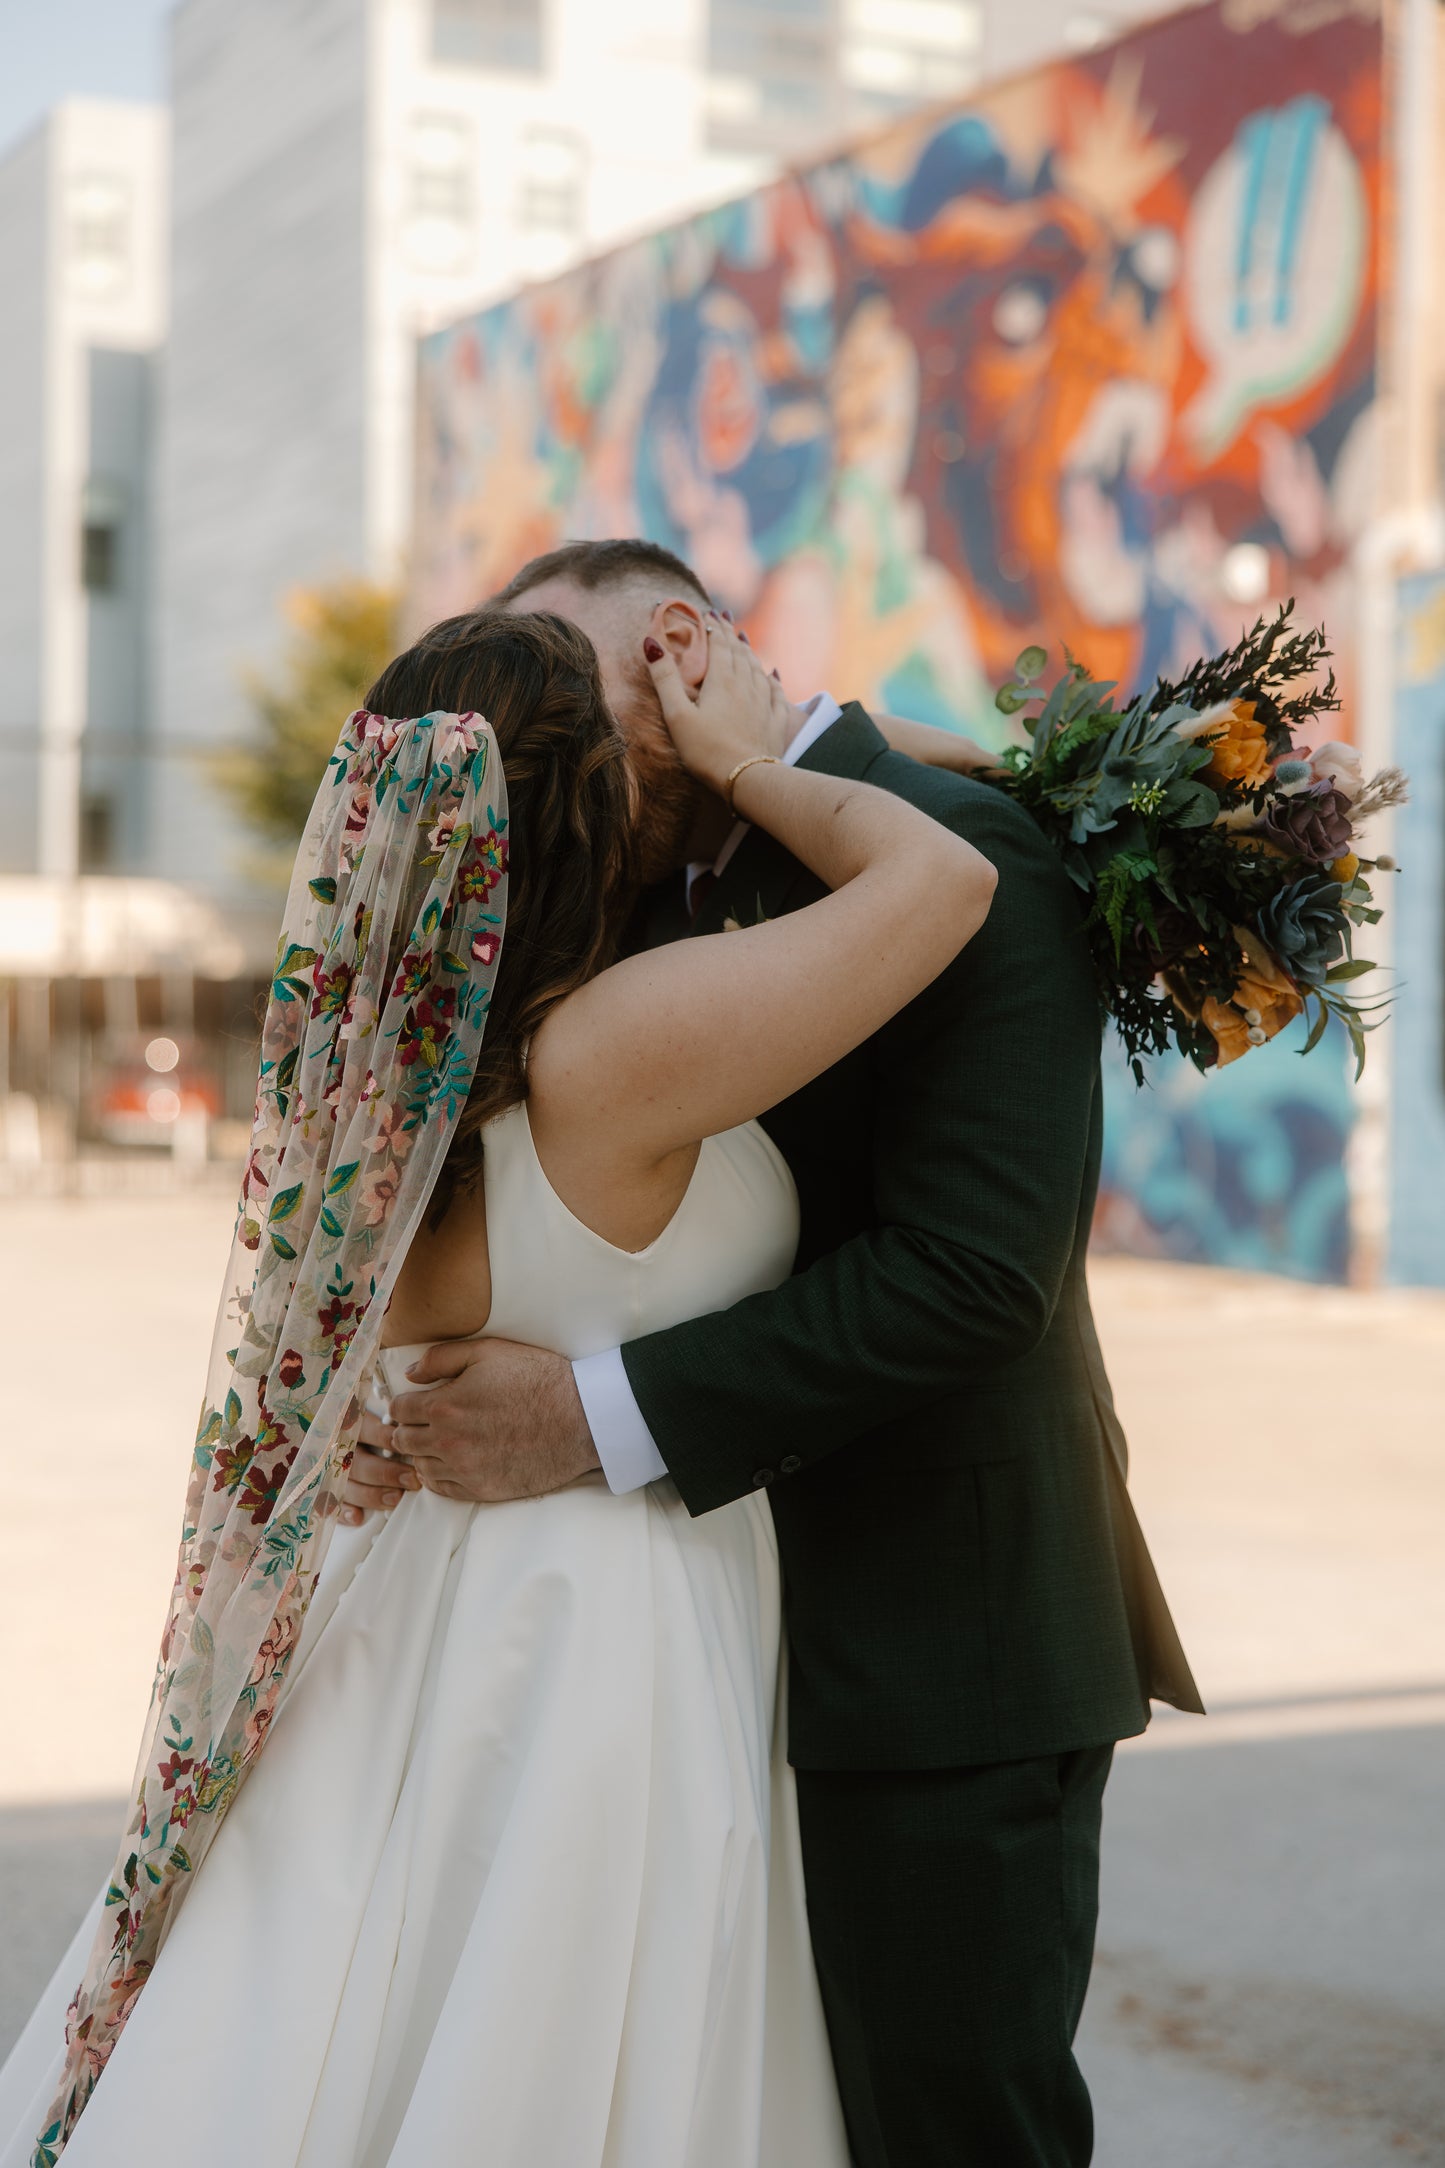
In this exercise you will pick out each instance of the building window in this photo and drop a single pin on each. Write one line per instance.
(97, 835)
(102, 508)
(99, 221)
(99, 558)
(904, 52)
(553, 181)
(442, 188)
(773, 66)
(785, 74)
(782, 39)
(488, 34)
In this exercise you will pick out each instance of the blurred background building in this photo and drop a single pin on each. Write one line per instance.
(83, 264)
(924, 328)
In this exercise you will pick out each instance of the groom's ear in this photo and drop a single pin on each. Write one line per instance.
(680, 627)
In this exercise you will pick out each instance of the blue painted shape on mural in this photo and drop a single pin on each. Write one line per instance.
(963, 158)
(1279, 148)
(1416, 901)
(1244, 1167)
(709, 405)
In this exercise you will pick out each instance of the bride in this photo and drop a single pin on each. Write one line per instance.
(475, 1849)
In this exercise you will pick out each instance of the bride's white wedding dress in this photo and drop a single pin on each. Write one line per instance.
(498, 1890)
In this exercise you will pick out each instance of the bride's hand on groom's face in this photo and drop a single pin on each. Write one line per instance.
(740, 710)
(490, 1420)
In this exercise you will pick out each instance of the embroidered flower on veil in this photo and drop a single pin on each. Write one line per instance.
(378, 1006)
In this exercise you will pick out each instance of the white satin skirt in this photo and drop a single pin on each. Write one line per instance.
(515, 1883)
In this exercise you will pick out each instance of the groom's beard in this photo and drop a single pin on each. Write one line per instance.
(669, 799)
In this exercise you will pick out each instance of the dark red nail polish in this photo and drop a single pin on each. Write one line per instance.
(652, 650)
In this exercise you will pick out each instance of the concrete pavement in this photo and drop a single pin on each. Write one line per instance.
(1270, 1990)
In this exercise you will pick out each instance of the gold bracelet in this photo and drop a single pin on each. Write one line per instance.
(758, 760)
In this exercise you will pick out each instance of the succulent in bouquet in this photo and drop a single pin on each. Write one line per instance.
(1219, 845)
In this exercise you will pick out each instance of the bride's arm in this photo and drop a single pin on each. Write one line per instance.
(689, 1040)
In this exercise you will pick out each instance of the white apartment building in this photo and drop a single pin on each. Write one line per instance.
(82, 267)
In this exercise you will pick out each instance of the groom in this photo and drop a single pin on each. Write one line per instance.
(972, 1616)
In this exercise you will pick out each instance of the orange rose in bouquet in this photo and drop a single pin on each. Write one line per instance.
(1263, 1002)
(1238, 748)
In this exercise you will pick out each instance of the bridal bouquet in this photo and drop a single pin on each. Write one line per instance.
(1221, 857)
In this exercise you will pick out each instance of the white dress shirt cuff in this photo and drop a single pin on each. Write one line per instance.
(625, 1445)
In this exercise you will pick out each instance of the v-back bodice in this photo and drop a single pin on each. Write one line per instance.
(557, 1284)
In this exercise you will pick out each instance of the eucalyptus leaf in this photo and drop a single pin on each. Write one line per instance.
(1357, 1041)
(1191, 805)
(1317, 1030)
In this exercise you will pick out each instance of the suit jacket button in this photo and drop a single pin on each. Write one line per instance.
(790, 1464)
(762, 1479)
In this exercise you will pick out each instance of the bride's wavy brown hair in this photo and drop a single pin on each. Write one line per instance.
(572, 827)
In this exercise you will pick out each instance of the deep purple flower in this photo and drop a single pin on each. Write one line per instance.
(1313, 824)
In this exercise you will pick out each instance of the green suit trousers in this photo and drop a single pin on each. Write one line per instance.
(952, 1915)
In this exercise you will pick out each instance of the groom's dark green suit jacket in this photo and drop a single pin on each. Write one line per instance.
(925, 1401)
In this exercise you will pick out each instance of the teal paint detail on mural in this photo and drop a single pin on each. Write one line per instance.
(914, 690)
(1244, 1167)
(1416, 1254)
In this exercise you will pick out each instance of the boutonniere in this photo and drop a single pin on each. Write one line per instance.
(734, 925)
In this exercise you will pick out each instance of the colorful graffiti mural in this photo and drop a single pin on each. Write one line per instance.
(1030, 370)
(1088, 361)
(1416, 1255)
(1246, 1168)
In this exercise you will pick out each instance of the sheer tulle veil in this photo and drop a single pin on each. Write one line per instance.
(392, 934)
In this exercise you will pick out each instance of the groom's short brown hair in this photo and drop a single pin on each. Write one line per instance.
(603, 564)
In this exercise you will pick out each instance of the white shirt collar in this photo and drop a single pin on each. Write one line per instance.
(819, 714)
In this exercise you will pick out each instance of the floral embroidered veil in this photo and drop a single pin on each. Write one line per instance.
(391, 939)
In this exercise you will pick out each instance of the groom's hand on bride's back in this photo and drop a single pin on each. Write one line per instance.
(489, 1420)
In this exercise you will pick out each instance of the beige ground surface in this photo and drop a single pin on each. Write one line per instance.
(1271, 1986)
